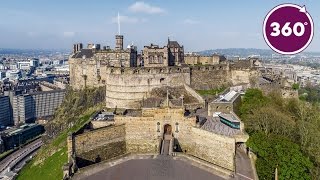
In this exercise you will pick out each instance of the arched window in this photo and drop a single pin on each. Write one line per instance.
(150, 59)
(158, 127)
(177, 127)
(160, 59)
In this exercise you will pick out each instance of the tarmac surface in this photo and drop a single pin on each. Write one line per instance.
(152, 169)
(14, 158)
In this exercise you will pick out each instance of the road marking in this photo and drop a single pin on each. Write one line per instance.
(245, 176)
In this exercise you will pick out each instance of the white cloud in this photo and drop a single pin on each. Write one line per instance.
(128, 19)
(142, 7)
(69, 34)
(190, 21)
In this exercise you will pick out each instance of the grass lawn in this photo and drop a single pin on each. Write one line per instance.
(211, 91)
(51, 166)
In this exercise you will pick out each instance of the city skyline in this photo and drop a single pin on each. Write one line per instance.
(57, 25)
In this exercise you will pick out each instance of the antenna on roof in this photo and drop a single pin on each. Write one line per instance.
(118, 24)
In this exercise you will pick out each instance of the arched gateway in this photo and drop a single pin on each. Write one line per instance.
(167, 138)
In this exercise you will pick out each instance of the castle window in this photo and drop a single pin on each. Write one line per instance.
(160, 59)
(150, 59)
(158, 126)
(177, 127)
(161, 79)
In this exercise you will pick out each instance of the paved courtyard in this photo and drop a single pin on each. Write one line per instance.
(149, 169)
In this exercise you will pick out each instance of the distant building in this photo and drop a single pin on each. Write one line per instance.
(176, 53)
(170, 55)
(24, 65)
(2, 75)
(2, 67)
(61, 83)
(16, 137)
(13, 66)
(34, 62)
(28, 107)
(5, 113)
(155, 56)
(225, 103)
(2, 149)
(117, 57)
(23, 109)
(45, 103)
(13, 75)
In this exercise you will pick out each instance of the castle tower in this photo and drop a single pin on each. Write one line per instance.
(119, 42)
(119, 38)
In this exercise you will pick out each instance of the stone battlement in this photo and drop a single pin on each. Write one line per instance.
(148, 70)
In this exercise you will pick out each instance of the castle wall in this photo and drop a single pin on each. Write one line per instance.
(241, 76)
(209, 77)
(87, 72)
(214, 148)
(98, 145)
(144, 134)
(204, 60)
(125, 88)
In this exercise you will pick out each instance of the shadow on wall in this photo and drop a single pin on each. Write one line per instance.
(176, 146)
(85, 162)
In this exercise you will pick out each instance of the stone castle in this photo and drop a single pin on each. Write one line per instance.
(153, 107)
(130, 77)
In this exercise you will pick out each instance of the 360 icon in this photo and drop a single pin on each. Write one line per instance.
(288, 29)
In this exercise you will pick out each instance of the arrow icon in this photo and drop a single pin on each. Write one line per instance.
(303, 9)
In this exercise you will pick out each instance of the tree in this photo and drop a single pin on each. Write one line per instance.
(269, 119)
(295, 86)
(252, 100)
(279, 151)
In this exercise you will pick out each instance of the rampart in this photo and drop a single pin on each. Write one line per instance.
(126, 87)
(143, 135)
(98, 145)
(210, 76)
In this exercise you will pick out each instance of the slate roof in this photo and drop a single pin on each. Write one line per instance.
(173, 43)
(213, 124)
(84, 52)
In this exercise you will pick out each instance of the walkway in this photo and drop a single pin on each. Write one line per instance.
(151, 168)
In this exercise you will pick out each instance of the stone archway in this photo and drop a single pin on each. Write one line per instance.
(167, 132)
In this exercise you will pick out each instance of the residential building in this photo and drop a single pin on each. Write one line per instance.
(5, 113)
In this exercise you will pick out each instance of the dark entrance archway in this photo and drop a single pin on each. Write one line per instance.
(167, 129)
(167, 137)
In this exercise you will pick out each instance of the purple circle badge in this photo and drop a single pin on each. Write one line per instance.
(288, 29)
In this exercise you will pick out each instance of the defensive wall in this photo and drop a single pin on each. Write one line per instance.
(143, 135)
(126, 87)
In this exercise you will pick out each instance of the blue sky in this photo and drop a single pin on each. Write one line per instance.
(198, 25)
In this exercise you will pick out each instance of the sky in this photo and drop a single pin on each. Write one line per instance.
(198, 25)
